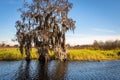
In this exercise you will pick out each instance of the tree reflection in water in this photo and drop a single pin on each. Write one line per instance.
(23, 71)
(41, 71)
(34, 70)
(59, 73)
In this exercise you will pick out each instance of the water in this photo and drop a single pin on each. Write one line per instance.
(56, 70)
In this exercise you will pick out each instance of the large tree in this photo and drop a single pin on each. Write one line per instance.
(44, 23)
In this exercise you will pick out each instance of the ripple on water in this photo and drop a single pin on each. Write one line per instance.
(56, 70)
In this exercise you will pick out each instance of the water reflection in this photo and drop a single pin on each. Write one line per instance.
(41, 72)
(23, 72)
(50, 71)
(59, 73)
(56, 70)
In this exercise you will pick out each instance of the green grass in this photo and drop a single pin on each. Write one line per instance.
(14, 54)
(93, 55)
(73, 54)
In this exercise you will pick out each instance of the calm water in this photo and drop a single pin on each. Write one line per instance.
(55, 70)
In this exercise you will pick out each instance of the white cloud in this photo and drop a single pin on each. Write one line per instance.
(89, 39)
(75, 39)
(8, 42)
(82, 39)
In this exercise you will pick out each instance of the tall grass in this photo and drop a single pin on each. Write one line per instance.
(73, 54)
(14, 54)
(92, 55)
(9, 54)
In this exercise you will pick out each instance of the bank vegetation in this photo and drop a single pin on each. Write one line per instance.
(98, 51)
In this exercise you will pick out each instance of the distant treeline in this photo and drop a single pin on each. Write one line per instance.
(107, 45)
(3, 45)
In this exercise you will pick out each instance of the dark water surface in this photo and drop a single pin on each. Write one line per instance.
(56, 70)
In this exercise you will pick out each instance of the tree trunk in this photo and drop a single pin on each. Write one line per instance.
(27, 54)
(43, 55)
(64, 52)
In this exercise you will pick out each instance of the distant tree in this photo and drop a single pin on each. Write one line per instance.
(3, 44)
(101, 45)
(117, 43)
(44, 23)
(107, 45)
(8, 45)
(96, 44)
(77, 46)
(15, 45)
(68, 45)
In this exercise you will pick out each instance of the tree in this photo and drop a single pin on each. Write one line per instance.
(44, 23)
(96, 44)
(3, 44)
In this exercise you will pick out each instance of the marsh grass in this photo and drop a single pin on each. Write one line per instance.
(92, 55)
(10, 54)
(73, 54)
(14, 54)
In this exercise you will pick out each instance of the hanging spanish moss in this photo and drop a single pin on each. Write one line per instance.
(44, 23)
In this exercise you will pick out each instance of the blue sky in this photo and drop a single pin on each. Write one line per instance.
(95, 20)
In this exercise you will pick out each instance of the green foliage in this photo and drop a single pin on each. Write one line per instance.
(107, 45)
(92, 55)
(10, 54)
(43, 23)
(73, 54)
(85, 54)
(14, 54)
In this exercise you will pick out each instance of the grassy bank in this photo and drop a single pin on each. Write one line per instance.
(93, 55)
(14, 54)
(73, 54)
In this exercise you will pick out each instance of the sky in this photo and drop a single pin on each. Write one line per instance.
(95, 20)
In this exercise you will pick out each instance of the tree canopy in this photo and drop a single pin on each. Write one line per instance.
(44, 23)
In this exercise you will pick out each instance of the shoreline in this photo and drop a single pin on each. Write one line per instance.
(68, 60)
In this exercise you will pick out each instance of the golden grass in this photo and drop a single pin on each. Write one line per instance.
(14, 54)
(73, 54)
(92, 55)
